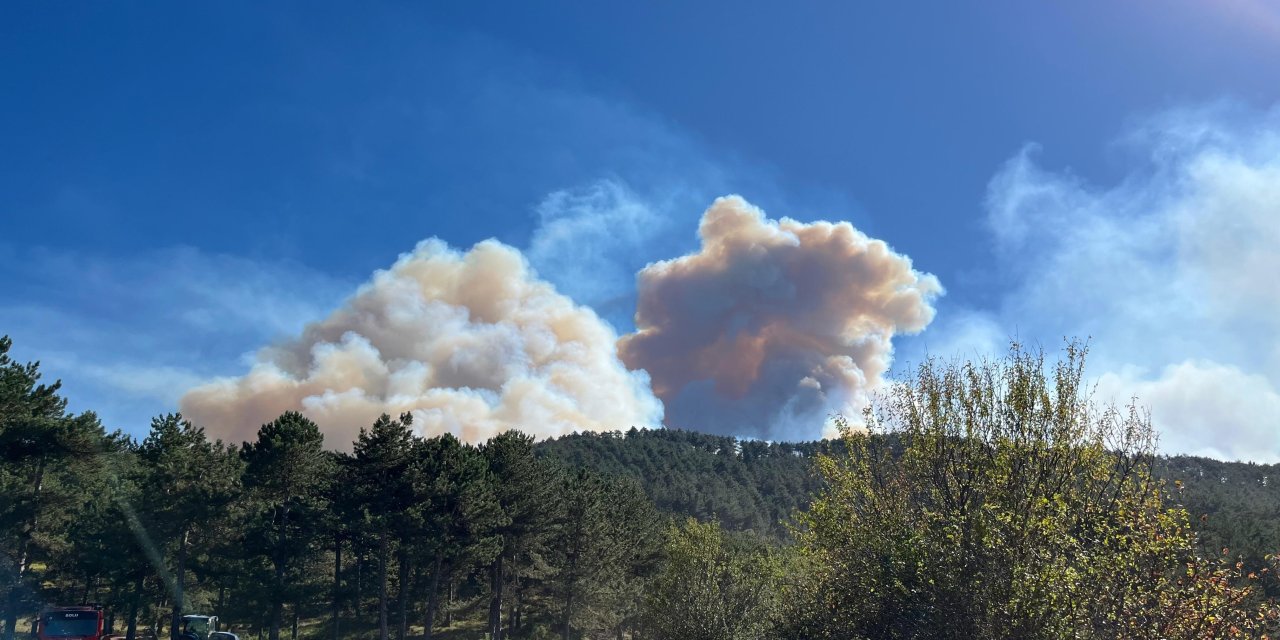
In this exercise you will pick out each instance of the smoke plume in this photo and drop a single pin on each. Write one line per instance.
(471, 343)
(772, 325)
(1170, 270)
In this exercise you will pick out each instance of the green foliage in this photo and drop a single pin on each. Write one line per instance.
(380, 482)
(190, 484)
(713, 586)
(602, 553)
(286, 475)
(189, 480)
(383, 492)
(1015, 509)
(46, 458)
(1233, 505)
(454, 514)
(532, 511)
(987, 500)
(743, 484)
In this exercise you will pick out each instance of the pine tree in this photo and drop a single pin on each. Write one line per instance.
(525, 488)
(286, 474)
(342, 523)
(43, 451)
(714, 586)
(603, 551)
(190, 483)
(382, 490)
(456, 511)
(96, 558)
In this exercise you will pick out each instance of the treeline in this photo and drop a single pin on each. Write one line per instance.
(979, 501)
(402, 532)
(758, 486)
(1233, 505)
(745, 485)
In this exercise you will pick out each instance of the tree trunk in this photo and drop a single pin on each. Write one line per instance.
(513, 619)
(277, 604)
(294, 634)
(383, 552)
(448, 614)
(179, 597)
(415, 588)
(428, 625)
(132, 632)
(11, 607)
(20, 569)
(111, 613)
(495, 599)
(402, 594)
(337, 584)
(567, 616)
(570, 587)
(359, 582)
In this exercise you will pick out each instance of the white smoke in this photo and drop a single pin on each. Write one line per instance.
(773, 325)
(1172, 271)
(471, 343)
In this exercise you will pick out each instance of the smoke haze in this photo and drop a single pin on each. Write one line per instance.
(1170, 270)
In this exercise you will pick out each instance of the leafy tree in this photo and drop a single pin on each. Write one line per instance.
(286, 474)
(1005, 506)
(713, 586)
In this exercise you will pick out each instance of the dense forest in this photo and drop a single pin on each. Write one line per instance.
(979, 501)
(758, 486)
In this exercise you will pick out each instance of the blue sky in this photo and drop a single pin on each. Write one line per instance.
(182, 185)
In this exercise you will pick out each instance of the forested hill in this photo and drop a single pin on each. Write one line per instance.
(745, 484)
(1233, 504)
(520, 540)
(753, 485)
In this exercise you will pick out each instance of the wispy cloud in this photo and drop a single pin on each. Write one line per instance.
(591, 241)
(128, 335)
(1171, 271)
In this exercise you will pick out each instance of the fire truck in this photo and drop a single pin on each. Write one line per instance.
(71, 623)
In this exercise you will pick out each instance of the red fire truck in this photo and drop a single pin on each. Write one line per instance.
(71, 623)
